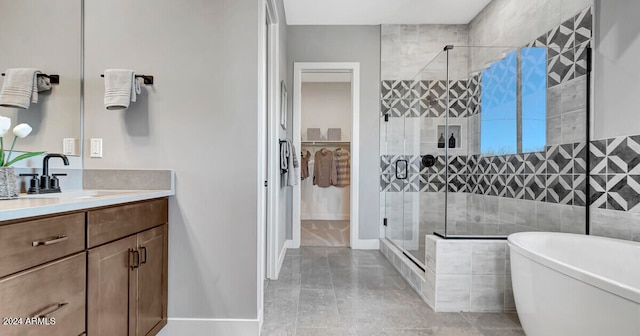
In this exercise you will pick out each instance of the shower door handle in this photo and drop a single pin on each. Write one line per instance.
(402, 174)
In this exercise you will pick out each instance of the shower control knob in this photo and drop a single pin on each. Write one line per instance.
(428, 160)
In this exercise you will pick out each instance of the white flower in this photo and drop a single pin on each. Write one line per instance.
(5, 124)
(22, 130)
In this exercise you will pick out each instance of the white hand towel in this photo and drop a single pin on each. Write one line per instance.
(43, 83)
(120, 88)
(292, 174)
(20, 88)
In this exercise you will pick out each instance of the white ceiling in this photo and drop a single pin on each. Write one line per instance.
(375, 12)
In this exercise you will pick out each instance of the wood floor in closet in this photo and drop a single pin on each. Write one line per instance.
(324, 233)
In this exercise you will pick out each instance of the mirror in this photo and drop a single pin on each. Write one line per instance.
(45, 35)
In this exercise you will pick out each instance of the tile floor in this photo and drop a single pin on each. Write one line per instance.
(324, 233)
(344, 292)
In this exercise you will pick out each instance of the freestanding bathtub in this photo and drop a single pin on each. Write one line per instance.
(568, 284)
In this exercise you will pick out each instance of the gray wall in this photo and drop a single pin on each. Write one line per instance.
(407, 49)
(200, 119)
(350, 44)
(617, 73)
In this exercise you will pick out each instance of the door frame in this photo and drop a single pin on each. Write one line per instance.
(267, 71)
(354, 68)
(273, 77)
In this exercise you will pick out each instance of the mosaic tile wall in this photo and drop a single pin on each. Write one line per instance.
(556, 175)
(427, 99)
(615, 174)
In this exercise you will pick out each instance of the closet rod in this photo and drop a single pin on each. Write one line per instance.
(324, 143)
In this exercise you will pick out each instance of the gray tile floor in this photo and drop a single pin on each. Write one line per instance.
(343, 292)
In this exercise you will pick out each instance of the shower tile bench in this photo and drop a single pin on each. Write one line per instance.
(470, 275)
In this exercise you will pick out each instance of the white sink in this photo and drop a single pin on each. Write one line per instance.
(78, 194)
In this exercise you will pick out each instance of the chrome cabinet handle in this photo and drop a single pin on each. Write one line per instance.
(48, 310)
(55, 240)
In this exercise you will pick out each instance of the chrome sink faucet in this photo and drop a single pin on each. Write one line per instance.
(48, 184)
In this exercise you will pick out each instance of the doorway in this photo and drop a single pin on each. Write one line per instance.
(326, 159)
(331, 209)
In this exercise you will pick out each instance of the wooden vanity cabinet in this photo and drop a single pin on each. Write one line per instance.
(97, 272)
(43, 276)
(45, 300)
(127, 277)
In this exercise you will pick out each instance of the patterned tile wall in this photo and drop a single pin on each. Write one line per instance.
(566, 60)
(427, 99)
(567, 43)
(615, 173)
(557, 175)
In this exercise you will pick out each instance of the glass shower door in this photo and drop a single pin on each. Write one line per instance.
(392, 152)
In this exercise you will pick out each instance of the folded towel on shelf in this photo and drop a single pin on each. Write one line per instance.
(20, 88)
(120, 88)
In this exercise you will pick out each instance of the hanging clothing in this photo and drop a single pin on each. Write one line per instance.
(288, 163)
(324, 168)
(304, 169)
(284, 157)
(342, 160)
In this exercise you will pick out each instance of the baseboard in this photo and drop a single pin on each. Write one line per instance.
(365, 244)
(210, 327)
(290, 244)
(324, 216)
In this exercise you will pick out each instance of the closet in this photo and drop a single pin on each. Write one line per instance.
(325, 156)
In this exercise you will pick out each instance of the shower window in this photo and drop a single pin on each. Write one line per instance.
(534, 91)
(499, 104)
(513, 119)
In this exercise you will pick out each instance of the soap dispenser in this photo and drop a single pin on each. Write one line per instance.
(452, 141)
(441, 141)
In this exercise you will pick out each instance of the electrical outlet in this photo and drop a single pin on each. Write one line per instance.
(96, 148)
(70, 146)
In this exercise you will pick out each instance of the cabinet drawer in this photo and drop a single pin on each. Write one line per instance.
(31, 243)
(52, 291)
(106, 225)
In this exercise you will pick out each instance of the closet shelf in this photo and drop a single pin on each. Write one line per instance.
(324, 143)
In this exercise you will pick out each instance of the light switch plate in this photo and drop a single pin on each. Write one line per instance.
(70, 146)
(96, 148)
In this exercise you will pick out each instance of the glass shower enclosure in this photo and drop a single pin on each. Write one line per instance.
(483, 142)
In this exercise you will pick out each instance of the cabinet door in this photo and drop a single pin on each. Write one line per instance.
(111, 282)
(152, 281)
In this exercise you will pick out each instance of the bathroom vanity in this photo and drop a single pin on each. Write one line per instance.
(90, 264)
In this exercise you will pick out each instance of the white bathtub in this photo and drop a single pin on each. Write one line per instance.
(568, 284)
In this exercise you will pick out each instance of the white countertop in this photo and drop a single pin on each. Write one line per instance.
(29, 206)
